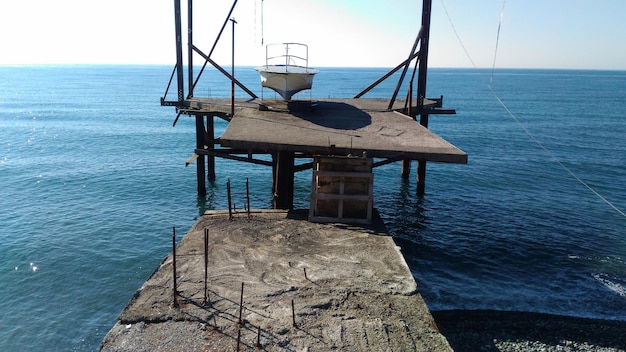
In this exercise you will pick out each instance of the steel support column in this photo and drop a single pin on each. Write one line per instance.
(283, 183)
(406, 169)
(421, 87)
(210, 143)
(179, 51)
(200, 162)
(190, 47)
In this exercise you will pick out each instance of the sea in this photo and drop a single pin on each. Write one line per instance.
(93, 180)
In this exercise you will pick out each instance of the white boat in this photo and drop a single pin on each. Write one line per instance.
(286, 69)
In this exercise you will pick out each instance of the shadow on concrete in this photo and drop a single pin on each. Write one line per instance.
(335, 115)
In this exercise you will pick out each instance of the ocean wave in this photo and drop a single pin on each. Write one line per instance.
(611, 285)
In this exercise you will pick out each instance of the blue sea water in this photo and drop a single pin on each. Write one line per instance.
(92, 180)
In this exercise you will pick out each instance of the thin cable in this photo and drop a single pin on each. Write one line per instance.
(457, 34)
(528, 133)
(256, 36)
(495, 53)
(262, 35)
(538, 142)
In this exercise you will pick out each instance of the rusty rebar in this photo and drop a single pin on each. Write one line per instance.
(293, 314)
(248, 196)
(206, 265)
(230, 211)
(238, 338)
(241, 303)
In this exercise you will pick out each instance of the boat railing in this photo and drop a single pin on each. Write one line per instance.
(287, 57)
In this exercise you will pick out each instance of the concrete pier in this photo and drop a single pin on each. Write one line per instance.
(305, 129)
(306, 287)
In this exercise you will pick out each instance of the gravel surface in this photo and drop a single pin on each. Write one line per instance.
(484, 330)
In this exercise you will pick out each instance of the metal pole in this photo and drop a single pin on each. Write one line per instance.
(406, 67)
(217, 39)
(238, 338)
(241, 304)
(230, 212)
(421, 87)
(190, 46)
(200, 162)
(248, 195)
(423, 57)
(210, 143)
(232, 81)
(206, 265)
(293, 314)
(179, 50)
(421, 177)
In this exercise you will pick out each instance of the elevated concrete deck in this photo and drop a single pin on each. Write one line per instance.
(353, 126)
(350, 286)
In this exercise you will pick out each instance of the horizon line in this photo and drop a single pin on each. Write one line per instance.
(317, 66)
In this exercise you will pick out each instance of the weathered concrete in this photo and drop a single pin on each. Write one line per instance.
(350, 287)
(353, 126)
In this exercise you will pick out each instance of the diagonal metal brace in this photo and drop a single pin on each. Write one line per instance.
(219, 68)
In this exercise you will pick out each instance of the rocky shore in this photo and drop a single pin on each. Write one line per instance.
(485, 330)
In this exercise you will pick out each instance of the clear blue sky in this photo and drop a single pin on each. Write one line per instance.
(534, 33)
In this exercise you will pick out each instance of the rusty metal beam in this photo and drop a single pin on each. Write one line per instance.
(421, 88)
(179, 50)
(189, 50)
(387, 75)
(406, 67)
(219, 35)
(224, 72)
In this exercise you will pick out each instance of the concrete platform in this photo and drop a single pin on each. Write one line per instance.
(350, 286)
(353, 126)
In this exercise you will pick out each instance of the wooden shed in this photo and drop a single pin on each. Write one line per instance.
(342, 189)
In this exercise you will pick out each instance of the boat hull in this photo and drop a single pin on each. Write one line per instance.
(286, 80)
